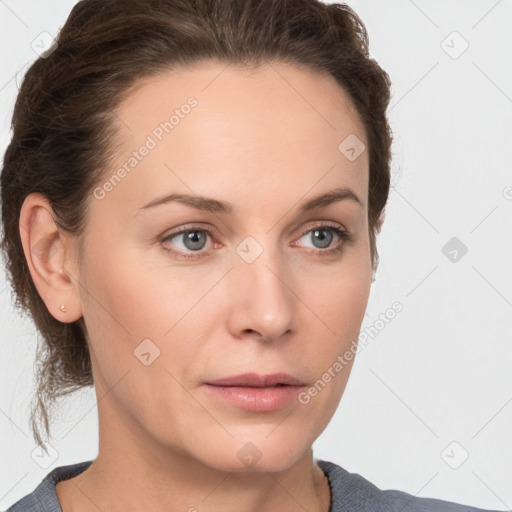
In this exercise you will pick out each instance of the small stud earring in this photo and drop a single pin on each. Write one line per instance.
(63, 308)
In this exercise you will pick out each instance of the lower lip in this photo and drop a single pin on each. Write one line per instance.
(256, 399)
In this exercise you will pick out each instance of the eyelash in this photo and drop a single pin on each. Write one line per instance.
(345, 236)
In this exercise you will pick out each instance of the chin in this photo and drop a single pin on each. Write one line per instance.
(255, 454)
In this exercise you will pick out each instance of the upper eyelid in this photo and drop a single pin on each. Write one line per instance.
(308, 227)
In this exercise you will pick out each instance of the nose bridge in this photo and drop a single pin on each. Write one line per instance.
(264, 301)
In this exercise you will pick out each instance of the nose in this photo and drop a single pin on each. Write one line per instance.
(262, 300)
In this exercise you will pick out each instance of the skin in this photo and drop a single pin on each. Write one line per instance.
(267, 146)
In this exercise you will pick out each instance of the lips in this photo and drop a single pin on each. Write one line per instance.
(254, 380)
(256, 393)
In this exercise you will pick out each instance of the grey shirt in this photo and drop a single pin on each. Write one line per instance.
(350, 492)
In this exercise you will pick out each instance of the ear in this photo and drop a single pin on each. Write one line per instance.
(380, 220)
(50, 255)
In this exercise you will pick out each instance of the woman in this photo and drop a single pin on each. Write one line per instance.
(190, 199)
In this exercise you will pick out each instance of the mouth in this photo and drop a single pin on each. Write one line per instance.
(255, 392)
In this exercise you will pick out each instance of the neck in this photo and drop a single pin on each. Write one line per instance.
(133, 473)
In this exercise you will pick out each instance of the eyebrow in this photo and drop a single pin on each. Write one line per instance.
(217, 206)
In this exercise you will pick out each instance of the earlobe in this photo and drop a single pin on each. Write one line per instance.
(47, 252)
(380, 221)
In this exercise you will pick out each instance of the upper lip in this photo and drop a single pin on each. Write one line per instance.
(255, 380)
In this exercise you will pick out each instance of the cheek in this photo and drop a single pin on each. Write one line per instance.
(129, 296)
(115, 305)
(341, 305)
(127, 311)
(124, 293)
(340, 298)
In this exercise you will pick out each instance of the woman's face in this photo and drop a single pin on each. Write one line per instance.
(256, 287)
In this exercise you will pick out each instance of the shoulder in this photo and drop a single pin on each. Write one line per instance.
(44, 498)
(351, 491)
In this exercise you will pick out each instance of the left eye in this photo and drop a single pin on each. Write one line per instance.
(322, 234)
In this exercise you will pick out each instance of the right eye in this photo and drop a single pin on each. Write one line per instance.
(193, 240)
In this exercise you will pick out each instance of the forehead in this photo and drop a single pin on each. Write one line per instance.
(248, 127)
(272, 89)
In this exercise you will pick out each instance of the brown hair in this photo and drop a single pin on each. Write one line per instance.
(64, 123)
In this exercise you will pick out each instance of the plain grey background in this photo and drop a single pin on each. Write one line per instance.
(428, 407)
